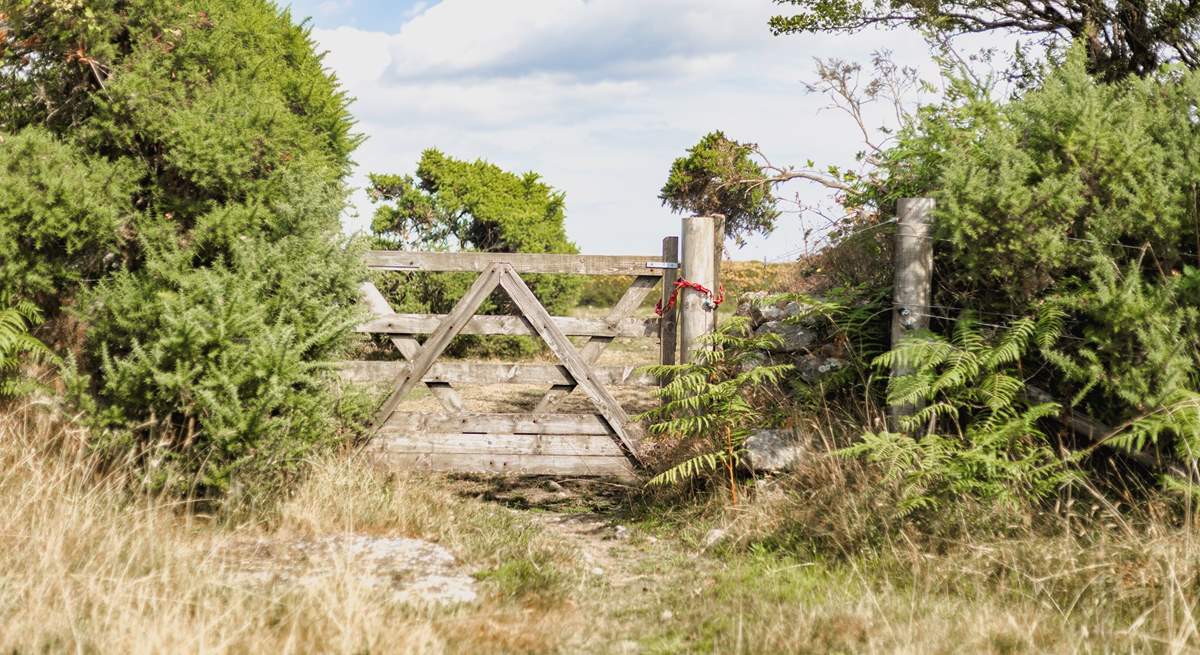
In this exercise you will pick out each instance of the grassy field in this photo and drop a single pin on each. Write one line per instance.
(87, 565)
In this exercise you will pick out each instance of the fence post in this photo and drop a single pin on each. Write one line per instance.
(668, 326)
(697, 316)
(913, 258)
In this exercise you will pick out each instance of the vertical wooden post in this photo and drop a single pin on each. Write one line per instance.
(913, 287)
(668, 327)
(696, 315)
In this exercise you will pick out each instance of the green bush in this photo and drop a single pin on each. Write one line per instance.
(64, 210)
(182, 162)
(1079, 195)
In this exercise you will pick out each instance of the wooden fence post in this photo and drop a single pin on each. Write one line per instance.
(911, 294)
(668, 326)
(697, 316)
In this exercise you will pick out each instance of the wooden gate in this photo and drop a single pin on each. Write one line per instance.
(540, 441)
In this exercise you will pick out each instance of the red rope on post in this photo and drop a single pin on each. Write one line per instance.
(681, 283)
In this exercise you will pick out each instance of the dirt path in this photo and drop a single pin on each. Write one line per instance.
(629, 573)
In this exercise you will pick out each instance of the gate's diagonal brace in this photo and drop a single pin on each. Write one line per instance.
(562, 347)
(433, 347)
(409, 347)
(593, 347)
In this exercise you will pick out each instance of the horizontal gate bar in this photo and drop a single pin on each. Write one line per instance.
(581, 445)
(395, 260)
(512, 325)
(418, 423)
(616, 466)
(489, 373)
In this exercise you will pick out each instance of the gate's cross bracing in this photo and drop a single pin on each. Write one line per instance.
(539, 441)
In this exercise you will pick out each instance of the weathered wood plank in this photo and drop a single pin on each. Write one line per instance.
(368, 372)
(521, 262)
(437, 342)
(582, 445)
(418, 423)
(562, 347)
(594, 347)
(513, 325)
(409, 347)
(669, 324)
(610, 466)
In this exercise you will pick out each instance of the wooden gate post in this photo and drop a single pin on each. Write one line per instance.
(912, 290)
(668, 326)
(697, 315)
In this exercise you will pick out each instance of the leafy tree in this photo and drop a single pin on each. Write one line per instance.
(181, 165)
(1121, 38)
(719, 176)
(456, 204)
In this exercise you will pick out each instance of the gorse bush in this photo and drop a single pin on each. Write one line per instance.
(1080, 196)
(172, 178)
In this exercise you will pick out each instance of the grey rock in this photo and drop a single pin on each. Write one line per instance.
(812, 368)
(773, 451)
(754, 360)
(760, 314)
(748, 301)
(713, 537)
(793, 337)
(410, 571)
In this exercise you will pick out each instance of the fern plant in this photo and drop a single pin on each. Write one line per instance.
(716, 401)
(16, 319)
(981, 437)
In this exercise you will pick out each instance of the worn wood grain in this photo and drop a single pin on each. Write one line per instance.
(594, 347)
(580, 445)
(668, 323)
(370, 372)
(417, 422)
(562, 347)
(603, 465)
(408, 347)
(521, 262)
(436, 344)
(513, 325)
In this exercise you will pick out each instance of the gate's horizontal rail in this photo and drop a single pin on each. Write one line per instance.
(513, 325)
(616, 466)
(490, 373)
(394, 260)
(580, 445)
(420, 423)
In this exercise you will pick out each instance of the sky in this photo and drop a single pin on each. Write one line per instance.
(597, 96)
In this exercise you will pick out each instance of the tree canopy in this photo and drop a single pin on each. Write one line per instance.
(1131, 37)
(470, 205)
(719, 176)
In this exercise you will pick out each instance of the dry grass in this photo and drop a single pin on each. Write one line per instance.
(810, 564)
(87, 566)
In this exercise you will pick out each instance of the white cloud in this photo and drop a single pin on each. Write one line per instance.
(598, 96)
(611, 38)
